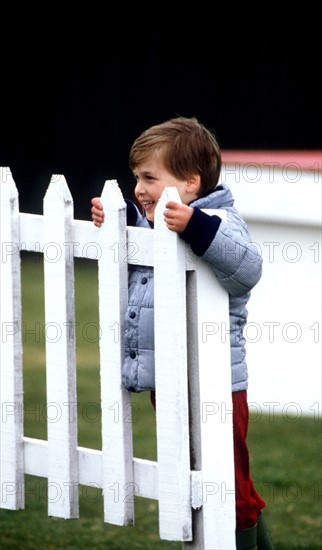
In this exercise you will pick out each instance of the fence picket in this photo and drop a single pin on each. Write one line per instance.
(11, 379)
(118, 483)
(171, 379)
(211, 411)
(60, 351)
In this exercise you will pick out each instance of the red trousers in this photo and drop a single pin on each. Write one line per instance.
(248, 502)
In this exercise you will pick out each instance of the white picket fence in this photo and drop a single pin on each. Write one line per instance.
(193, 477)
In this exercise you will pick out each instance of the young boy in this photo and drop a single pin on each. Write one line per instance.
(183, 153)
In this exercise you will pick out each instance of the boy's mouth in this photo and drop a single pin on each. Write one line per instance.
(147, 205)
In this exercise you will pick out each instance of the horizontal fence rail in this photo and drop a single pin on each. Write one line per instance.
(193, 477)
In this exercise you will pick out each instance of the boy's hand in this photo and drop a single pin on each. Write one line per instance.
(97, 212)
(177, 216)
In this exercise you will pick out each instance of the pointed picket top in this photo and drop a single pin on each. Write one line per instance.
(9, 190)
(58, 190)
(168, 194)
(112, 196)
(5, 174)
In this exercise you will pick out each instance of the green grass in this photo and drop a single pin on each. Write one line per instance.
(285, 453)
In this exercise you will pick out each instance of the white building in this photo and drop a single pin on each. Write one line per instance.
(279, 194)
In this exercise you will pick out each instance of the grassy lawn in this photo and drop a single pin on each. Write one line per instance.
(285, 452)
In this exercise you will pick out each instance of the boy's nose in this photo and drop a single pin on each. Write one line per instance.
(138, 188)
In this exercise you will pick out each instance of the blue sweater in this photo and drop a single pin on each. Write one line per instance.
(226, 247)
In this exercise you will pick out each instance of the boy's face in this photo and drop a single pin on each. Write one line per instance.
(151, 179)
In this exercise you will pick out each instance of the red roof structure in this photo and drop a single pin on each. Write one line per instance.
(306, 159)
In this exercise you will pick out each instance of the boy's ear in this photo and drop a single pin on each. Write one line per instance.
(193, 184)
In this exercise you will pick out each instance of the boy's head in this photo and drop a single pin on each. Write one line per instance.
(185, 148)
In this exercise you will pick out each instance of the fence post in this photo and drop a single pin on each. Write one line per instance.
(175, 522)
(11, 379)
(60, 350)
(210, 410)
(118, 485)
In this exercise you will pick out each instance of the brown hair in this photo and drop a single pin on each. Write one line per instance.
(185, 147)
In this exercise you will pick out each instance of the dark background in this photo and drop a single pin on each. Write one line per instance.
(76, 110)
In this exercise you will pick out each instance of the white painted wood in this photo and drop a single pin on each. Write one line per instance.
(146, 478)
(116, 401)
(60, 351)
(212, 436)
(196, 490)
(90, 467)
(202, 490)
(175, 522)
(140, 246)
(85, 241)
(31, 232)
(11, 381)
(36, 456)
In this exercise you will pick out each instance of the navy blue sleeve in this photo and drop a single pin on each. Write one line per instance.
(131, 213)
(200, 231)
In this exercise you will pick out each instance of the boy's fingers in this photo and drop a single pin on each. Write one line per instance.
(97, 203)
(172, 205)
